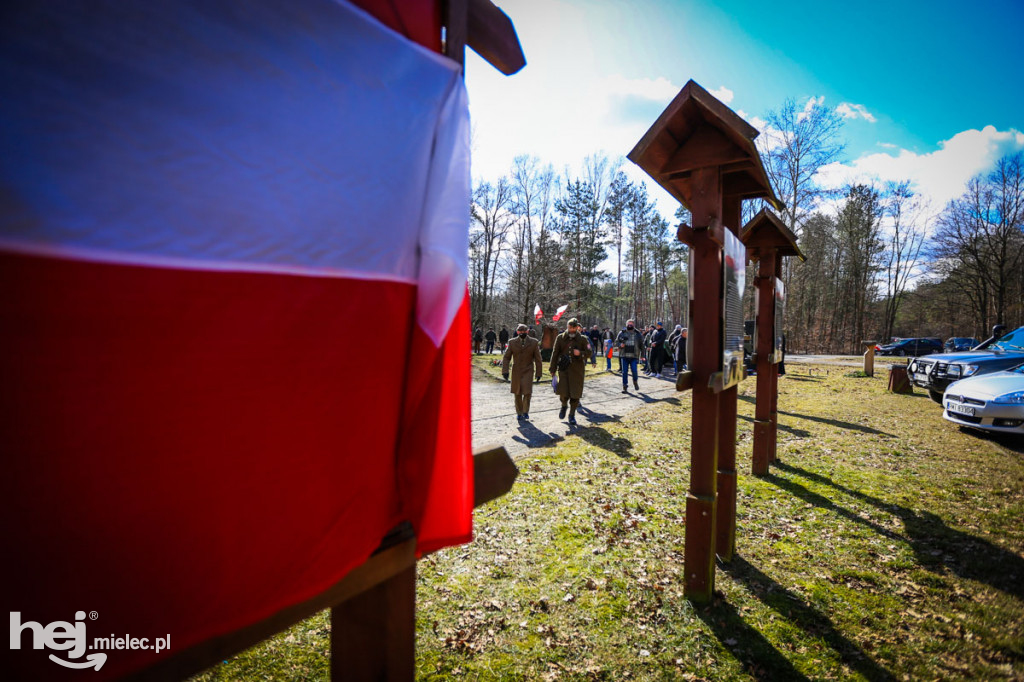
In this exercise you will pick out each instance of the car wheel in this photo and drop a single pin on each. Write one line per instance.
(936, 396)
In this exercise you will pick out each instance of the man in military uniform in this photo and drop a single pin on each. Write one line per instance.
(524, 354)
(570, 344)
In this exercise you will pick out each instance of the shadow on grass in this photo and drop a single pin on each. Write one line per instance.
(1012, 442)
(600, 438)
(799, 433)
(935, 544)
(809, 496)
(793, 608)
(760, 659)
(804, 378)
(821, 420)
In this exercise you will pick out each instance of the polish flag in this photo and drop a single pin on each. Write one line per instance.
(537, 313)
(200, 427)
(561, 311)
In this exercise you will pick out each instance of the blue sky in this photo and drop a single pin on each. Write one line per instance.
(933, 92)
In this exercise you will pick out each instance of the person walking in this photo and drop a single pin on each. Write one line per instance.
(681, 351)
(609, 340)
(503, 337)
(645, 354)
(478, 338)
(491, 337)
(631, 344)
(672, 344)
(595, 344)
(658, 338)
(523, 353)
(569, 358)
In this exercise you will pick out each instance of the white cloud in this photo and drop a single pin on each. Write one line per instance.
(937, 176)
(812, 102)
(657, 89)
(847, 110)
(888, 145)
(723, 94)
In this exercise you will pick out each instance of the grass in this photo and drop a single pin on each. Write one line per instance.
(886, 544)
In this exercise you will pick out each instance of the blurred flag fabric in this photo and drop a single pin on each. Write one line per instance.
(537, 313)
(558, 313)
(202, 424)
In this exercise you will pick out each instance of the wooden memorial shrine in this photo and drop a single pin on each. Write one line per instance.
(703, 154)
(768, 240)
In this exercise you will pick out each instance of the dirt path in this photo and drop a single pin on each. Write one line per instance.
(494, 413)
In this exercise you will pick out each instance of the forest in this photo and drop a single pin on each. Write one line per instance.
(880, 262)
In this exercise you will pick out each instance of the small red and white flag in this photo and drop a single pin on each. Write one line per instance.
(537, 313)
(561, 311)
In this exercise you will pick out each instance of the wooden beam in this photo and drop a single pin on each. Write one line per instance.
(380, 567)
(492, 36)
(455, 19)
(494, 473)
(373, 634)
(705, 148)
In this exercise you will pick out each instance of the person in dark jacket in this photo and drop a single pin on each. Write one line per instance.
(658, 355)
(572, 344)
(478, 338)
(491, 337)
(595, 343)
(630, 343)
(503, 337)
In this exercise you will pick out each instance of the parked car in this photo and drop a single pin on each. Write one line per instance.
(910, 347)
(992, 402)
(994, 355)
(959, 343)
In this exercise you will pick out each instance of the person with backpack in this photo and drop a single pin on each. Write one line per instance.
(569, 359)
(630, 343)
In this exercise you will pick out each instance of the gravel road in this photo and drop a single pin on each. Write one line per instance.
(494, 412)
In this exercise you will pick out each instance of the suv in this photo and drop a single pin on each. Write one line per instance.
(959, 343)
(994, 355)
(910, 347)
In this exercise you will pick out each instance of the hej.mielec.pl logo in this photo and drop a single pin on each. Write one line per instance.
(71, 638)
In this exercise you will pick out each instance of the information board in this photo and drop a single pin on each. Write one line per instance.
(780, 308)
(735, 274)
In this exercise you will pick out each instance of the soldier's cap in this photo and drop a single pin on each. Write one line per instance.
(522, 328)
(573, 322)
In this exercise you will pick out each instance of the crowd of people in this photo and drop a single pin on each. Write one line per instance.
(652, 350)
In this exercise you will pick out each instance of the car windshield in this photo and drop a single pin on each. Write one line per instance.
(1012, 341)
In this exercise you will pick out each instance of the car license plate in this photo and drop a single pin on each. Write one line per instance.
(960, 409)
(922, 377)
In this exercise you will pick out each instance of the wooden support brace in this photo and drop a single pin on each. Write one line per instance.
(684, 380)
(698, 560)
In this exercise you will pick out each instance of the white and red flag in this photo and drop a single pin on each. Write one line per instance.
(200, 427)
(561, 311)
(537, 313)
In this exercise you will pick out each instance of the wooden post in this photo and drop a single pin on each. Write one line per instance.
(373, 635)
(773, 373)
(725, 520)
(763, 426)
(869, 358)
(706, 335)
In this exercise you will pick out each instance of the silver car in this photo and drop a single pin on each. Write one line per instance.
(993, 402)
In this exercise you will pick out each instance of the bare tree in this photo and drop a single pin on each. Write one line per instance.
(980, 239)
(492, 220)
(903, 252)
(797, 144)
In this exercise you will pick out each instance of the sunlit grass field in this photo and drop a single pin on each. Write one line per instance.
(886, 544)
